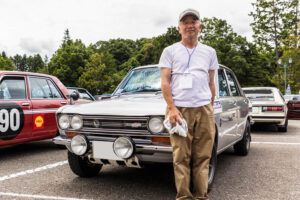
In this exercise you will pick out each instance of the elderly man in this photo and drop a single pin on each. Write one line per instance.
(187, 72)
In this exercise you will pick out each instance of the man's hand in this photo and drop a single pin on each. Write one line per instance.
(175, 116)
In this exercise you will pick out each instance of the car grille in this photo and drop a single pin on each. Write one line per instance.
(115, 125)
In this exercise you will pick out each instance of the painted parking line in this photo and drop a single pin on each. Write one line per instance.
(31, 171)
(37, 196)
(277, 143)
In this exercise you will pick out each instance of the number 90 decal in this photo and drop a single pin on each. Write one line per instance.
(11, 120)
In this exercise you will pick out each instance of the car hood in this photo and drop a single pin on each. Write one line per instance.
(126, 105)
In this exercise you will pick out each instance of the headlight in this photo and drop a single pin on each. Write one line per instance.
(64, 121)
(79, 145)
(76, 122)
(156, 125)
(123, 147)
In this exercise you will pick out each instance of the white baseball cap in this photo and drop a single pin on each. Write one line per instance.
(189, 11)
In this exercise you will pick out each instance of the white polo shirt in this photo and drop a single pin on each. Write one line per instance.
(203, 58)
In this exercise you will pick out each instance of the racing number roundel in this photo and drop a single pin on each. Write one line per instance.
(11, 120)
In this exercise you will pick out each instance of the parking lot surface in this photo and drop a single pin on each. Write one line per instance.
(39, 170)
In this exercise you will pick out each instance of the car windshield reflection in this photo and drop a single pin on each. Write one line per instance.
(141, 80)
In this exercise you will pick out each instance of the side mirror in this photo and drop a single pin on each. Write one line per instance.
(74, 97)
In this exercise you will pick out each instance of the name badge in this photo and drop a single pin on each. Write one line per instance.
(186, 81)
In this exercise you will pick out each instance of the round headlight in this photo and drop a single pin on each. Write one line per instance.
(79, 145)
(64, 121)
(156, 125)
(123, 147)
(76, 122)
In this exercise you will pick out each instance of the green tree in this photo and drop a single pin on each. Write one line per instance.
(20, 62)
(3, 54)
(235, 52)
(120, 49)
(290, 51)
(6, 64)
(69, 61)
(35, 63)
(272, 21)
(94, 77)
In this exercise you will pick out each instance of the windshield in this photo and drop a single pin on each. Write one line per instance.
(141, 80)
(259, 95)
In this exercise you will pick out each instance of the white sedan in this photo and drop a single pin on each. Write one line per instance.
(268, 106)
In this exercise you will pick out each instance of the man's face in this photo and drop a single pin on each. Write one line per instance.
(189, 27)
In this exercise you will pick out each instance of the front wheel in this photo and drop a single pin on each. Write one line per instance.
(212, 168)
(82, 167)
(242, 147)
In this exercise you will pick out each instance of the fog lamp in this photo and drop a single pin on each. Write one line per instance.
(79, 145)
(123, 147)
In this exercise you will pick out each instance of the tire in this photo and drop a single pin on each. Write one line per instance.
(242, 147)
(212, 168)
(82, 167)
(284, 127)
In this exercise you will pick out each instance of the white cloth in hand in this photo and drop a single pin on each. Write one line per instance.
(181, 130)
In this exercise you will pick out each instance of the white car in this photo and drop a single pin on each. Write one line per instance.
(127, 129)
(268, 106)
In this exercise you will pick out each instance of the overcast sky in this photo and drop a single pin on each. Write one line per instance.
(37, 26)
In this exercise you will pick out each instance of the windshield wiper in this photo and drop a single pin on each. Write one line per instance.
(140, 90)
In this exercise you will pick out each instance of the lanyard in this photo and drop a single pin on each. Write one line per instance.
(190, 55)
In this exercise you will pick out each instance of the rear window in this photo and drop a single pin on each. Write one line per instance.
(259, 95)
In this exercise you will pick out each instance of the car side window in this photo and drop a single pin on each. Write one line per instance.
(232, 83)
(13, 88)
(41, 88)
(54, 90)
(223, 87)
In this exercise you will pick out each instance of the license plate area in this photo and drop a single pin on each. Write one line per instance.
(104, 150)
(255, 110)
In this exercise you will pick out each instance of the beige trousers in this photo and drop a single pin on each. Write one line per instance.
(191, 154)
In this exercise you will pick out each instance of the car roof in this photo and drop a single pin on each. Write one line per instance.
(24, 73)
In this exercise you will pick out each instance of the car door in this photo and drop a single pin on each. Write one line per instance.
(15, 110)
(240, 106)
(227, 119)
(46, 98)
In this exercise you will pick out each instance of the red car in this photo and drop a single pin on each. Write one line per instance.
(294, 107)
(28, 103)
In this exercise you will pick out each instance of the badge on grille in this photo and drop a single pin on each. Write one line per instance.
(96, 123)
(136, 125)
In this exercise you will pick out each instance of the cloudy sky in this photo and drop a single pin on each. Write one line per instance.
(37, 26)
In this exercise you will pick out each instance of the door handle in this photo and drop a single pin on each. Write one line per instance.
(25, 104)
(63, 102)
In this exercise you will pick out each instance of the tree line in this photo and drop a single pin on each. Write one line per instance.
(101, 66)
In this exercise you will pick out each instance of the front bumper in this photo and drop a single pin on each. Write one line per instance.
(145, 151)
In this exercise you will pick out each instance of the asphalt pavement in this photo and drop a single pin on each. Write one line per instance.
(271, 171)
